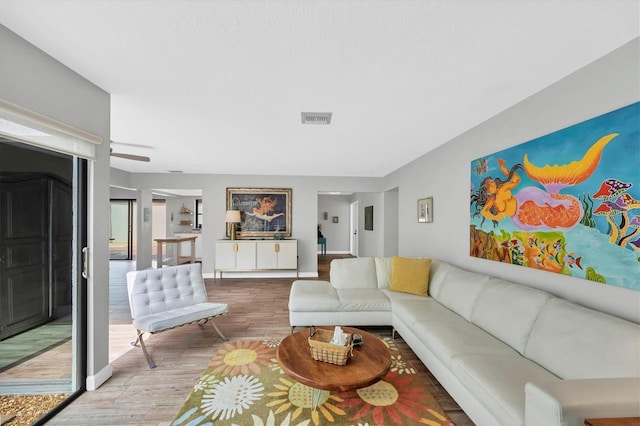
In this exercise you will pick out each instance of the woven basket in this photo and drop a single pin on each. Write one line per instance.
(322, 350)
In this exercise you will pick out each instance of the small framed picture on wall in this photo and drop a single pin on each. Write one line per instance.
(425, 210)
(368, 218)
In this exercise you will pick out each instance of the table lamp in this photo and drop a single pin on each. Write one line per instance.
(232, 217)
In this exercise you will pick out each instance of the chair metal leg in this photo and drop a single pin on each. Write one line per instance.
(218, 330)
(135, 342)
(144, 350)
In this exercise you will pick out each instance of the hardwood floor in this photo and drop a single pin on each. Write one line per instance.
(136, 395)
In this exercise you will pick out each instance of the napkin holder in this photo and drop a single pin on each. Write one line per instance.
(323, 350)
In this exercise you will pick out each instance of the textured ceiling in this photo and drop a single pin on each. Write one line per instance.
(218, 86)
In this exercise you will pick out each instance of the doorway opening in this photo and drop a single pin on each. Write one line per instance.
(122, 231)
(42, 293)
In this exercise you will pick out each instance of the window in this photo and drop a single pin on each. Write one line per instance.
(198, 213)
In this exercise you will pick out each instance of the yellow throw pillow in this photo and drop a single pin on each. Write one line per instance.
(410, 275)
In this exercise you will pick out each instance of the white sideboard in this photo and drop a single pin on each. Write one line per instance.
(256, 255)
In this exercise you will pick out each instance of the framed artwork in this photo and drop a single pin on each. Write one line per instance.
(425, 210)
(567, 202)
(264, 212)
(335, 219)
(368, 218)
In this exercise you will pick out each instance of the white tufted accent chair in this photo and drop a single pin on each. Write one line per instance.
(162, 299)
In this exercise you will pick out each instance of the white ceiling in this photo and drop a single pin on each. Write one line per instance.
(218, 86)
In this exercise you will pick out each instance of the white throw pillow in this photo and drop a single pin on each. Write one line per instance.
(383, 270)
(357, 272)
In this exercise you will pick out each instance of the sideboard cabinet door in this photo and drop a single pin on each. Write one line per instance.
(266, 255)
(288, 255)
(246, 255)
(240, 255)
(279, 254)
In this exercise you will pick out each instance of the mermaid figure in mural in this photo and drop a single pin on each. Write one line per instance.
(533, 208)
(548, 209)
(494, 199)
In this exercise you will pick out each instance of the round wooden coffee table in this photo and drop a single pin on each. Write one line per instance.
(369, 363)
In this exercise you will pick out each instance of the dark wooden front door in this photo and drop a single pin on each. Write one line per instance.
(24, 242)
(61, 224)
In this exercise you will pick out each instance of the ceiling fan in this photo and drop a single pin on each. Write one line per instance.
(130, 156)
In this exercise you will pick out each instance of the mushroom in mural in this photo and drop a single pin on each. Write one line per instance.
(624, 203)
(611, 187)
(609, 209)
(634, 223)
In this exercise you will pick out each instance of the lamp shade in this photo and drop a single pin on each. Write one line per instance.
(232, 216)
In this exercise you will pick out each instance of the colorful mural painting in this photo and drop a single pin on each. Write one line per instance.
(567, 202)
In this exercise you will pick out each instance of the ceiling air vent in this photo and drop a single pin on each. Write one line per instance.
(316, 118)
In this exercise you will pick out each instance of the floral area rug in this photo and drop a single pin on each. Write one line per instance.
(244, 385)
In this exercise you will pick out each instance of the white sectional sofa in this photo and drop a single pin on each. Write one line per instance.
(508, 354)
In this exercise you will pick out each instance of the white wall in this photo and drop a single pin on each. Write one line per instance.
(120, 179)
(173, 205)
(304, 205)
(35, 81)
(605, 85)
(122, 194)
(390, 220)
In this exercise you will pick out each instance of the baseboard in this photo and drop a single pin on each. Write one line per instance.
(260, 275)
(97, 380)
(308, 274)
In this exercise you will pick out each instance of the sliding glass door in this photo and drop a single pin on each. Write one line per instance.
(42, 292)
(121, 236)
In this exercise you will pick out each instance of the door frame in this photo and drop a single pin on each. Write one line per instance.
(130, 203)
(75, 383)
(353, 229)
